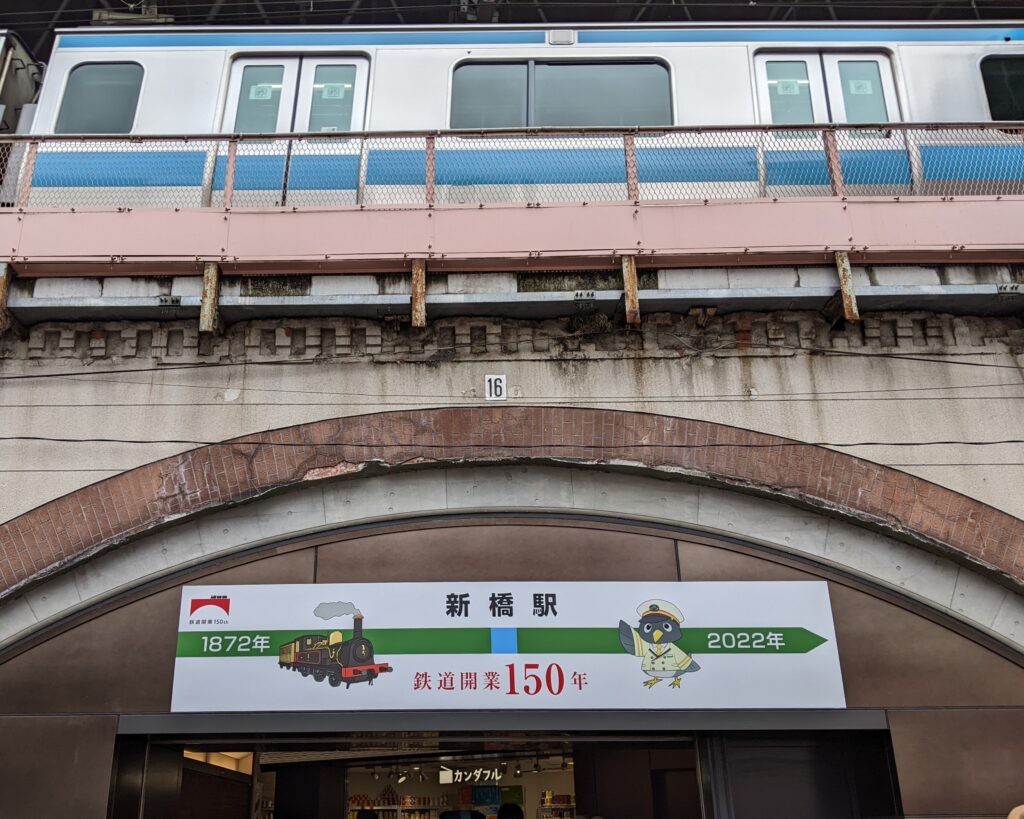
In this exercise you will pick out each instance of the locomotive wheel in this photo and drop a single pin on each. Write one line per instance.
(319, 675)
(305, 672)
(334, 680)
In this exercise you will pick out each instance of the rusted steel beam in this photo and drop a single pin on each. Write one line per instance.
(419, 293)
(630, 290)
(8, 323)
(850, 311)
(209, 314)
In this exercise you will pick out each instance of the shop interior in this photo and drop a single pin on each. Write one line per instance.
(448, 776)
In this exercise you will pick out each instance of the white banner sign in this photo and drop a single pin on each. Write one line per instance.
(412, 646)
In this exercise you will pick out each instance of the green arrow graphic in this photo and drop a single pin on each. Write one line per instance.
(730, 640)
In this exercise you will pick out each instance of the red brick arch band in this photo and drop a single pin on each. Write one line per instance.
(100, 516)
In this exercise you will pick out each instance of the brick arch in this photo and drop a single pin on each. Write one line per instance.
(102, 515)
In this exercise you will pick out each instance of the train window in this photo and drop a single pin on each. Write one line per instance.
(489, 95)
(863, 96)
(1004, 87)
(597, 94)
(571, 94)
(331, 99)
(789, 92)
(259, 99)
(100, 98)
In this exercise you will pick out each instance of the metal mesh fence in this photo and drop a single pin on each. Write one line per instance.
(493, 168)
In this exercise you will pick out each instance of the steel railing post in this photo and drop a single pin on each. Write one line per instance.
(835, 165)
(431, 168)
(632, 178)
(28, 171)
(229, 172)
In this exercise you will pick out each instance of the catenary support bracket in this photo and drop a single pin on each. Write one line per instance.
(209, 312)
(419, 293)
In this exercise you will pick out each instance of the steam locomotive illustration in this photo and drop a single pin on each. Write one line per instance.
(333, 658)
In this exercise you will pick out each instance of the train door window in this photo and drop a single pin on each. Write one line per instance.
(261, 96)
(812, 88)
(793, 89)
(100, 98)
(331, 95)
(601, 94)
(489, 95)
(1004, 87)
(860, 89)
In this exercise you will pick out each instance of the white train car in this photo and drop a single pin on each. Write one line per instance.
(177, 81)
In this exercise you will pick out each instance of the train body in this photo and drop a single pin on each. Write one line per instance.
(193, 80)
(333, 658)
(177, 81)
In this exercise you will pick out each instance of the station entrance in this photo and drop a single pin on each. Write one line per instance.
(802, 775)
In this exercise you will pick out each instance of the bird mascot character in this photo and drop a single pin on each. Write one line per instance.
(654, 640)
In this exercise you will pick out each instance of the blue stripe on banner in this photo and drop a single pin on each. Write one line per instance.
(504, 641)
(697, 164)
(785, 34)
(300, 38)
(973, 162)
(323, 173)
(531, 167)
(128, 169)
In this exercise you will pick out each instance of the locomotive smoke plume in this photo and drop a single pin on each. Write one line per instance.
(328, 611)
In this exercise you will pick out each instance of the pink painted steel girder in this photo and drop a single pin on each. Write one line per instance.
(541, 237)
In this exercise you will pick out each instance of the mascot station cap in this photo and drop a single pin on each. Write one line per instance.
(660, 607)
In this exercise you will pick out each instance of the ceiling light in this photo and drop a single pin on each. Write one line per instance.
(519, 769)
(376, 774)
(402, 777)
(565, 764)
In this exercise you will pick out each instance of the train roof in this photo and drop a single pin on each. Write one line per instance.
(495, 34)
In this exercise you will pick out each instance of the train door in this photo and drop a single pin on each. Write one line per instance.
(818, 88)
(795, 89)
(295, 95)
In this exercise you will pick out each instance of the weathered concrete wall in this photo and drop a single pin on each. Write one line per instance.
(894, 377)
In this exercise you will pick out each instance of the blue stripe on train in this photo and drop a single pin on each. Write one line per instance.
(860, 167)
(696, 164)
(780, 34)
(788, 34)
(141, 169)
(313, 173)
(114, 169)
(973, 162)
(220, 39)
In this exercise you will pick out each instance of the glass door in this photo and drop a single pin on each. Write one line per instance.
(860, 88)
(288, 95)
